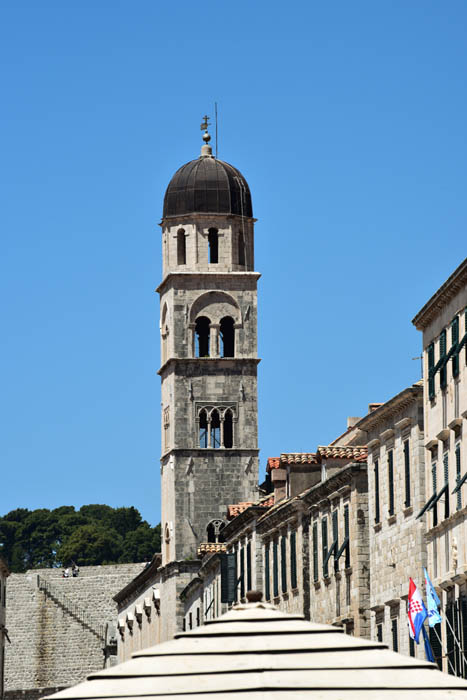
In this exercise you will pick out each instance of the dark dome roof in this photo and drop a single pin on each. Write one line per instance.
(207, 185)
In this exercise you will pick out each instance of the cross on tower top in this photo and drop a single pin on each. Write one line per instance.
(205, 123)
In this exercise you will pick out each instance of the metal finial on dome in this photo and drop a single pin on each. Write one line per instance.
(206, 150)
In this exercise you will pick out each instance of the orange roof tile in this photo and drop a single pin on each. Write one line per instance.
(237, 508)
(211, 548)
(357, 454)
(299, 458)
(273, 463)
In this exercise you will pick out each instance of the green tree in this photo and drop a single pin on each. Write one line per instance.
(90, 545)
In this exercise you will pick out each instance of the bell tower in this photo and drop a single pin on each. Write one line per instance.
(208, 321)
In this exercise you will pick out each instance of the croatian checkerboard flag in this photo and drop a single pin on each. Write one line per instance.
(417, 611)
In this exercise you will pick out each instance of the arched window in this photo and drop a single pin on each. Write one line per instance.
(181, 247)
(241, 249)
(164, 334)
(227, 337)
(214, 531)
(203, 429)
(215, 427)
(213, 240)
(202, 336)
(228, 429)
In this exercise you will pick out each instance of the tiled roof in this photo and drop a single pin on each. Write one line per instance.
(273, 463)
(211, 548)
(237, 508)
(299, 458)
(357, 454)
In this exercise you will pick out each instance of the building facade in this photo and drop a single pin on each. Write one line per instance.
(4, 638)
(443, 322)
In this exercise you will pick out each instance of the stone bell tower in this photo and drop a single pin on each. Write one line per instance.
(208, 321)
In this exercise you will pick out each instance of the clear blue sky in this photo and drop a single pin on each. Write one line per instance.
(349, 121)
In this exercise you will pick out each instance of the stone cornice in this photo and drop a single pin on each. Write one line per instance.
(277, 516)
(242, 519)
(211, 360)
(442, 297)
(203, 216)
(139, 583)
(391, 408)
(221, 276)
(338, 480)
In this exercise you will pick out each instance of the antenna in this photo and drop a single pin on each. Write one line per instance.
(215, 109)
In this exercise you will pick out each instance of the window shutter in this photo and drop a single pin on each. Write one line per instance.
(347, 535)
(411, 647)
(248, 566)
(335, 538)
(315, 552)
(275, 568)
(379, 632)
(442, 353)
(454, 341)
(446, 480)
(407, 472)
(242, 572)
(324, 542)
(377, 513)
(434, 480)
(267, 572)
(450, 638)
(391, 481)
(293, 559)
(463, 613)
(458, 479)
(395, 644)
(431, 376)
(284, 564)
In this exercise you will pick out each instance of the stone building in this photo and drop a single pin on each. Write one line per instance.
(60, 628)
(443, 321)
(4, 639)
(396, 493)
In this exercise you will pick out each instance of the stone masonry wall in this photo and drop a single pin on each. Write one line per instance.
(50, 646)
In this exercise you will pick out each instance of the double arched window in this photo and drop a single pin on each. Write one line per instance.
(215, 427)
(214, 531)
(225, 332)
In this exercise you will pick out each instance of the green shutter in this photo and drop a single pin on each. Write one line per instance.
(267, 573)
(315, 552)
(434, 480)
(442, 353)
(395, 641)
(275, 568)
(377, 513)
(431, 376)
(248, 567)
(446, 481)
(242, 572)
(454, 341)
(335, 538)
(458, 478)
(391, 482)
(407, 472)
(347, 535)
(284, 564)
(324, 543)
(435, 641)
(293, 559)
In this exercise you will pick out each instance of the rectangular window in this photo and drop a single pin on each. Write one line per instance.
(458, 476)
(407, 472)
(454, 341)
(411, 647)
(267, 573)
(377, 514)
(347, 535)
(190, 621)
(431, 376)
(395, 644)
(435, 507)
(436, 644)
(379, 632)
(293, 559)
(391, 482)
(442, 353)
(324, 543)
(248, 566)
(446, 481)
(284, 564)
(242, 572)
(198, 621)
(315, 552)
(184, 625)
(275, 568)
(335, 538)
